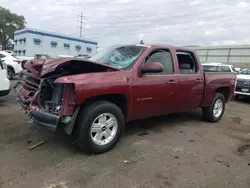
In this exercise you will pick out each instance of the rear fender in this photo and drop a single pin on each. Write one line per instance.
(215, 82)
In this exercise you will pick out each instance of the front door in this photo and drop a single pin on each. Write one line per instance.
(155, 93)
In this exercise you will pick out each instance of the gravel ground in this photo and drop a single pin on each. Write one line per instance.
(171, 151)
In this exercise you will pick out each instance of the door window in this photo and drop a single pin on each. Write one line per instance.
(163, 57)
(187, 63)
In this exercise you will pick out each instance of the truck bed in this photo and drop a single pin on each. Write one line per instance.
(213, 80)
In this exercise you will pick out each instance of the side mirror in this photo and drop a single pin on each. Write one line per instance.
(151, 67)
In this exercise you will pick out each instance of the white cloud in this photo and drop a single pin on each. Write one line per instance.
(176, 22)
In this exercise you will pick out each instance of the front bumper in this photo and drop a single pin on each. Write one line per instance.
(45, 119)
(241, 93)
(27, 88)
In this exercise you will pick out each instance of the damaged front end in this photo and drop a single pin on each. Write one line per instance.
(47, 103)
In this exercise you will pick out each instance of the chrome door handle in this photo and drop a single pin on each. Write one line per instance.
(172, 81)
(198, 80)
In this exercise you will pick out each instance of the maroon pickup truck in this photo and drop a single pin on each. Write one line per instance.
(93, 99)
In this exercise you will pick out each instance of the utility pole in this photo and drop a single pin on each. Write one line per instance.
(81, 23)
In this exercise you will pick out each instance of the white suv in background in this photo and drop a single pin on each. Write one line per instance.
(13, 64)
(4, 81)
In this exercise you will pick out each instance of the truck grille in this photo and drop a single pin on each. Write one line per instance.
(29, 81)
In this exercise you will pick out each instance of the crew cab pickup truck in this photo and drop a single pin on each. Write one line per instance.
(93, 99)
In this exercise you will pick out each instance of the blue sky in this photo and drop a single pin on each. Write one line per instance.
(175, 22)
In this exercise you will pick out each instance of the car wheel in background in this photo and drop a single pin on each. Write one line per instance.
(10, 73)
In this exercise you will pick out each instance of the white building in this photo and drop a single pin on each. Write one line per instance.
(28, 42)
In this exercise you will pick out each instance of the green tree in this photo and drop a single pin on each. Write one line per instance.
(9, 23)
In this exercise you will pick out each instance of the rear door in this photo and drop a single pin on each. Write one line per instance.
(155, 93)
(190, 80)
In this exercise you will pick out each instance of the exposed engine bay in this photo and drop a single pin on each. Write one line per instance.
(36, 88)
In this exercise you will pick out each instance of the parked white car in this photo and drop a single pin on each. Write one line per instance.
(4, 81)
(237, 69)
(218, 67)
(243, 83)
(13, 64)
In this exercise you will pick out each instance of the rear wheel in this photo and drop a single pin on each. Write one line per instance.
(99, 127)
(215, 111)
(10, 73)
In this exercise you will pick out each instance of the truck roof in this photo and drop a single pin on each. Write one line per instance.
(166, 46)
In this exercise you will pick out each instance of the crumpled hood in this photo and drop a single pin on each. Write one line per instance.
(35, 65)
(53, 64)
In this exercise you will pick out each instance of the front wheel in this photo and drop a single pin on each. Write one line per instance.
(99, 127)
(215, 111)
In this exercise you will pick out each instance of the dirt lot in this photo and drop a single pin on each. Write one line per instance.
(172, 151)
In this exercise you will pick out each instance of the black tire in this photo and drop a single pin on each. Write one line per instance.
(84, 121)
(207, 112)
(10, 73)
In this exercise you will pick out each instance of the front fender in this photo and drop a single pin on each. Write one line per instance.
(98, 84)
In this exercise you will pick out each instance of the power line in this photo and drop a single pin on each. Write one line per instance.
(81, 21)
